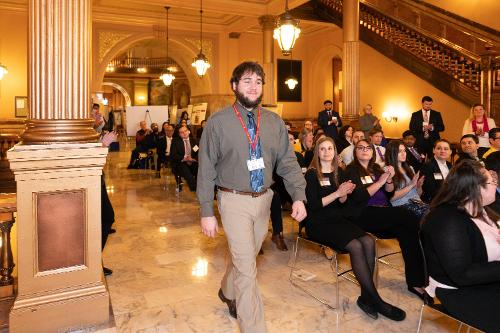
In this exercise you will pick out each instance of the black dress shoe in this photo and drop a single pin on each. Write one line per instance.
(391, 312)
(279, 241)
(107, 271)
(231, 304)
(112, 231)
(423, 296)
(367, 308)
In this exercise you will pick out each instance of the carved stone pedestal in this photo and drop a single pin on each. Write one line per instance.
(60, 281)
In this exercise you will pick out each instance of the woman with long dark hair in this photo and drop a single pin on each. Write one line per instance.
(407, 184)
(369, 208)
(345, 137)
(462, 247)
(325, 197)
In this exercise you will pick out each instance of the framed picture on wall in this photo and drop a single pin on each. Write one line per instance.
(287, 68)
(21, 105)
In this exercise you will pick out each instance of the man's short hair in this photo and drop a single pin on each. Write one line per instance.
(492, 133)
(408, 133)
(492, 162)
(472, 136)
(327, 101)
(95, 105)
(375, 131)
(427, 99)
(245, 67)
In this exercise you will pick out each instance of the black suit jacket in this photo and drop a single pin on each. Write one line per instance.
(431, 185)
(330, 130)
(177, 152)
(161, 148)
(415, 163)
(416, 127)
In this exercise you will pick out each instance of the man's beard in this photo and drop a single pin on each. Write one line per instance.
(246, 102)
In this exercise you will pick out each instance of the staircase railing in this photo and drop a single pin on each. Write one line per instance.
(451, 67)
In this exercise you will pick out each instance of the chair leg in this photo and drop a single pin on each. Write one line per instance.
(305, 290)
(420, 318)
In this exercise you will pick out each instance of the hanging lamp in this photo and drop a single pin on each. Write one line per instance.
(200, 63)
(166, 76)
(287, 31)
(3, 71)
(291, 81)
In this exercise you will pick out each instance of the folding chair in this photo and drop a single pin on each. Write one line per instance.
(334, 266)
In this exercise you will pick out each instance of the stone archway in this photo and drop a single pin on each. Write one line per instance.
(321, 60)
(181, 53)
(128, 101)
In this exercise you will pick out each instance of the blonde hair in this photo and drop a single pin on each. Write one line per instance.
(471, 116)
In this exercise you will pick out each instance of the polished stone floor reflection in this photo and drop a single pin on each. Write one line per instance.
(167, 273)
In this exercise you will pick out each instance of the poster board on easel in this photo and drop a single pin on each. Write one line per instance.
(275, 108)
(198, 113)
(149, 113)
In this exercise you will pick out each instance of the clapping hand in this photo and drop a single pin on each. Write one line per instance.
(345, 188)
(414, 181)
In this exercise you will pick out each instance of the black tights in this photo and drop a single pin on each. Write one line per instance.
(362, 253)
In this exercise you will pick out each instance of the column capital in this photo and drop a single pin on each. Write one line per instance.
(267, 22)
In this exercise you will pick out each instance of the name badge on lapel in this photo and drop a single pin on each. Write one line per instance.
(366, 180)
(325, 182)
(438, 176)
(255, 164)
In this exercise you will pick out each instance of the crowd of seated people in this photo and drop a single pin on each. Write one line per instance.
(406, 188)
(179, 150)
(389, 190)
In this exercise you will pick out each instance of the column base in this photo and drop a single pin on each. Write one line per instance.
(44, 131)
(67, 314)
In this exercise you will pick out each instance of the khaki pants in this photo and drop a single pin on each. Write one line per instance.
(245, 220)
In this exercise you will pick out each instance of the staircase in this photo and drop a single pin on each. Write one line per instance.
(455, 55)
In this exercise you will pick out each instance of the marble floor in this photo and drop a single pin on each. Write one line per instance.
(167, 273)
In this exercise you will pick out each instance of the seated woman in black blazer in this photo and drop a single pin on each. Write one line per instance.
(326, 224)
(435, 170)
(462, 248)
(369, 208)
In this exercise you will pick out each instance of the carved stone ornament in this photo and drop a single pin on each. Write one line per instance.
(108, 39)
(207, 46)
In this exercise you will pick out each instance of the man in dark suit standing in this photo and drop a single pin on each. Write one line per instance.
(426, 124)
(183, 154)
(329, 120)
(413, 157)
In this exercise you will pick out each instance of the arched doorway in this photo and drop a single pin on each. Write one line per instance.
(180, 52)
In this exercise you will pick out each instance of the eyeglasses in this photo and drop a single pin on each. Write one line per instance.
(364, 148)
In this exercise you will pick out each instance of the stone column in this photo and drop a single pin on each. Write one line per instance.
(350, 61)
(268, 23)
(58, 169)
(59, 72)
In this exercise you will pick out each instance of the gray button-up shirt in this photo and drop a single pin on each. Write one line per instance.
(224, 153)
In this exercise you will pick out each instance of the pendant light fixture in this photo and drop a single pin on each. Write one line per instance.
(166, 76)
(3, 71)
(201, 62)
(291, 81)
(287, 31)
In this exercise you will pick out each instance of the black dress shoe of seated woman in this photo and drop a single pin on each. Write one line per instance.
(367, 308)
(390, 311)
